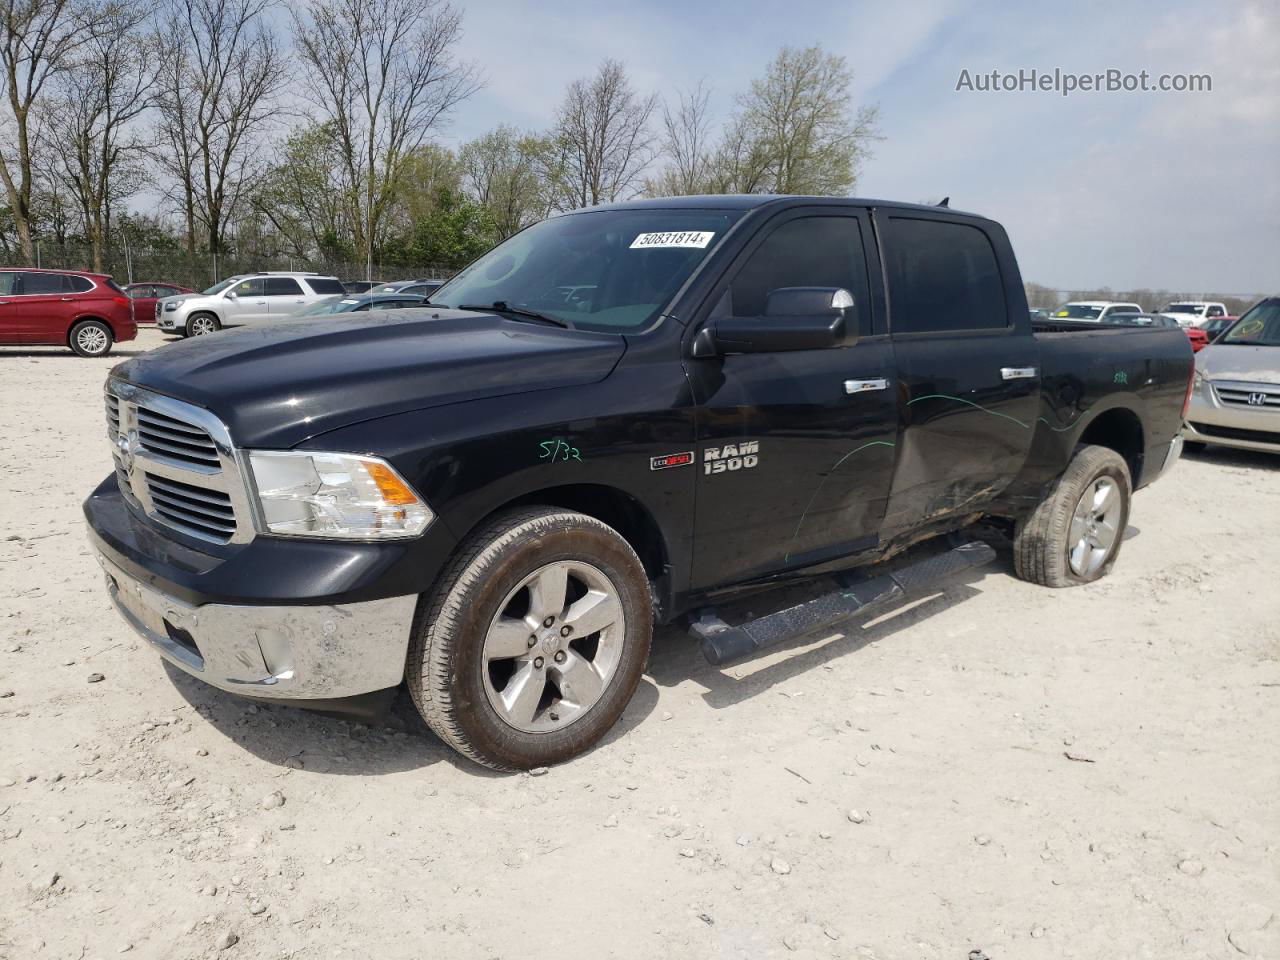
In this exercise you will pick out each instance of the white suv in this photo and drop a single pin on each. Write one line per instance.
(245, 300)
(1194, 313)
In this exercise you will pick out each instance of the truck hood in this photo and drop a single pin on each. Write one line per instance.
(1221, 361)
(277, 386)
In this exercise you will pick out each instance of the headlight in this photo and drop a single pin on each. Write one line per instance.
(171, 306)
(336, 495)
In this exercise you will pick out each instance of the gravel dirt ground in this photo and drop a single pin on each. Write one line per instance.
(997, 770)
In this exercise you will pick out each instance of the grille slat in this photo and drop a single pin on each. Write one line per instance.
(151, 418)
(187, 453)
(189, 505)
(175, 503)
(190, 522)
(1242, 394)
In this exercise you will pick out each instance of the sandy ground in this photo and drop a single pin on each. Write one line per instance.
(999, 770)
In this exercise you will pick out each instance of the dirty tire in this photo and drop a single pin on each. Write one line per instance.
(1041, 542)
(90, 338)
(201, 324)
(446, 668)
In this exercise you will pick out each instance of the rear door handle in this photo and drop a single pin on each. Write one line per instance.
(1018, 373)
(865, 386)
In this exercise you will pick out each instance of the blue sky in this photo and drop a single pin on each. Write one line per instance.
(1120, 189)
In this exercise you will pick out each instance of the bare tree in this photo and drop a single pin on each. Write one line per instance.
(505, 173)
(603, 137)
(795, 130)
(686, 145)
(384, 75)
(92, 124)
(38, 38)
(220, 77)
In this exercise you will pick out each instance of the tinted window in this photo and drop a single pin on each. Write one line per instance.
(42, 283)
(943, 277)
(808, 252)
(79, 284)
(7, 282)
(325, 286)
(283, 287)
(253, 287)
(1215, 311)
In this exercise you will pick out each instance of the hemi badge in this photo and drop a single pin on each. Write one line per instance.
(671, 460)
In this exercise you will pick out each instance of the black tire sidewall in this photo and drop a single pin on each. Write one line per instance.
(486, 731)
(73, 338)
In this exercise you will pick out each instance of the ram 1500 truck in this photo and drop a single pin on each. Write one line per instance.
(616, 417)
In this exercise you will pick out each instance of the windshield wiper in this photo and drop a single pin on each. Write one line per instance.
(501, 306)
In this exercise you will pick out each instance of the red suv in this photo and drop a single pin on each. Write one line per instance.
(86, 311)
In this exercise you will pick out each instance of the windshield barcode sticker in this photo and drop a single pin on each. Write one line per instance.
(697, 239)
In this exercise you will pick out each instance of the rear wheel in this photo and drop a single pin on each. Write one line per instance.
(534, 640)
(91, 338)
(202, 324)
(1075, 533)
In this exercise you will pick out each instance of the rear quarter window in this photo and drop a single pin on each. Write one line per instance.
(325, 286)
(79, 284)
(943, 278)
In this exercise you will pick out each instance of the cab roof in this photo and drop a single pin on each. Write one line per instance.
(751, 201)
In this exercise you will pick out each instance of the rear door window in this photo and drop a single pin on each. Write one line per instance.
(943, 278)
(283, 287)
(42, 283)
(8, 282)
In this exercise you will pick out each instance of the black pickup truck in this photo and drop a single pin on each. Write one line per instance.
(619, 416)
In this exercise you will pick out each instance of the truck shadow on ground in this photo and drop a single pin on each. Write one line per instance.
(289, 736)
(677, 656)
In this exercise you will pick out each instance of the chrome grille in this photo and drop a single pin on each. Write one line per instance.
(174, 438)
(207, 512)
(1260, 396)
(174, 462)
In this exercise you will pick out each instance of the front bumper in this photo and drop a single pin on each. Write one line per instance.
(275, 652)
(1210, 419)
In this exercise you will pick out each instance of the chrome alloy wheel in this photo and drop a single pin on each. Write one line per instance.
(1094, 526)
(200, 326)
(553, 647)
(92, 340)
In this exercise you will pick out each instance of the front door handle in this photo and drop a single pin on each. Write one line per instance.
(1018, 373)
(865, 386)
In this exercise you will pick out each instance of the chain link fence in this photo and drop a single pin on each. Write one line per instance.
(203, 270)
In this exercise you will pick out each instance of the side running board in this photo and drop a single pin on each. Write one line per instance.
(722, 643)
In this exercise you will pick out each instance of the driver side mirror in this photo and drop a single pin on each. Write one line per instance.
(232, 295)
(795, 318)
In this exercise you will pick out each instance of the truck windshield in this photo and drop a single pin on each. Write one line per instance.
(1077, 311)
(1260, 327)
(1181, 308)
(608, 270)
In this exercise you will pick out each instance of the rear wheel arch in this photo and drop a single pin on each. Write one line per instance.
(1120, 429)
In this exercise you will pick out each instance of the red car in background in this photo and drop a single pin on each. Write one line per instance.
(146, 295)
(87, 312)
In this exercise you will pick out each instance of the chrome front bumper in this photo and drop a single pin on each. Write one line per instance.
(298, 652)
(1210, 419)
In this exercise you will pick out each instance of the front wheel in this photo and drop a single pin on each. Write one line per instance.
(1074, 535)
(91, 338)
(533, 641)
(202, 324)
